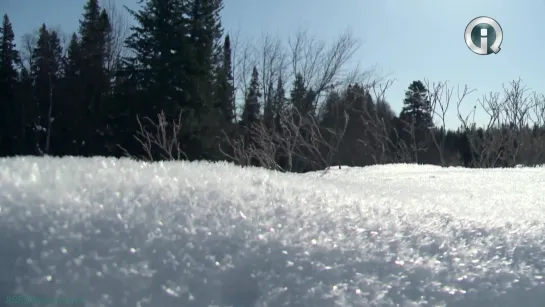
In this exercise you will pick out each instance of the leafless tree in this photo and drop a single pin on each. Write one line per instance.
(273, 61)
(163, 140)
(119, 31)
(244, 60)
(321, 65)
(440, 95)
(29, 41)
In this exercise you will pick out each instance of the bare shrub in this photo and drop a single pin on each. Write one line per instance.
(440, 95)
(163, 142)
(294, 138)
(501, 140)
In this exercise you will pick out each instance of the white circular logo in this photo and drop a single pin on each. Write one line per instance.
(483, 35)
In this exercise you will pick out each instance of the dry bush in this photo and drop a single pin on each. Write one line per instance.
(294, 138)
(162, 142)
(506, 135)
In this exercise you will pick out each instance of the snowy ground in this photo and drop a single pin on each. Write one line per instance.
(121, 233)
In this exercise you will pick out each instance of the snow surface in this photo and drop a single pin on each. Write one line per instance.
(123, 233)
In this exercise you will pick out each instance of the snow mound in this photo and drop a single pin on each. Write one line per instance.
(123, 233)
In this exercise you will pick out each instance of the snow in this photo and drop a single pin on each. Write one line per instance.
(122, 233)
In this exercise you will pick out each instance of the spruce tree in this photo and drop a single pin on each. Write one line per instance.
(72, 64)
(10, 111)
(160, 68)
(225, 95)
(416, 120)
(333, 109)
(46, 72)
(250, 114)
(205, 34)
(298, 94)
(26, 102)
(94, 79)
(268, 107)
(417, 107)
(72, 120)
(159, 60)
(279, 100)
(90, 31)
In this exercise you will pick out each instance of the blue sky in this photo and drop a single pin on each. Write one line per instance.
(407, 40)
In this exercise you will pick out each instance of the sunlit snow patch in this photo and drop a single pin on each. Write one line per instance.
(123, 233)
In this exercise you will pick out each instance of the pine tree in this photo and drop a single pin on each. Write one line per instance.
(160, 46)
(268, 107)
(91, 34)
(73, 58)
(415, 120)
(88, 61)
(279, 100)
(333, 110)
(205, 36)
(250, 114)
(46, 72)
(225, 96)
(161, 68)
(26, 102)
(10, 111)
(71, 120)
(298, 94)
(417, 107)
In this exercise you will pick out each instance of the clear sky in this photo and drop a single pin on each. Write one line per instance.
(407, 39)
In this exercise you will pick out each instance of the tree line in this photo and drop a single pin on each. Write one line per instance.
(176, 86)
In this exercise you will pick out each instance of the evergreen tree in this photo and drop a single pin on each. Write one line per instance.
(10, 111)
(205, 36)
(45, 71)
(225, 95)
(159, 68)
(298, 94)
(417, 107)
(94, 31)
(279, 100)
(250, 114)
(91, 33)
(416, 121)
(71, 120)
(268, 108)
(333, 109)
(73, 58)
(279, 110)
(26, 102)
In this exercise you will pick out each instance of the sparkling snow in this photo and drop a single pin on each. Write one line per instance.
(123, 233)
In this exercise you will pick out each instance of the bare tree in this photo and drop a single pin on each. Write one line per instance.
(119, 31)
(29, 41)
(440, 95)
(321, 65)
(272, 64)
(244, 61)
